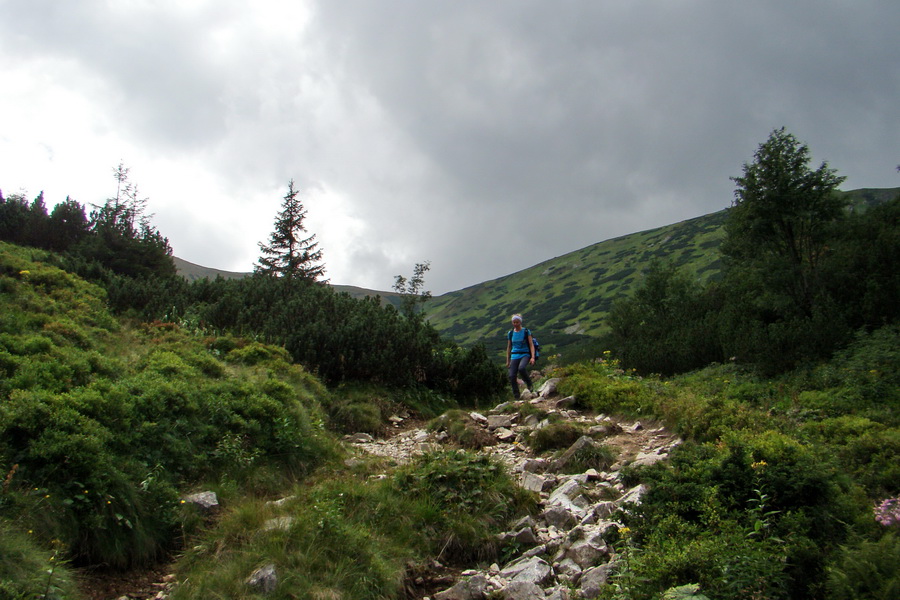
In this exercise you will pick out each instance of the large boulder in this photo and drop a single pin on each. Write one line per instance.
(532, 570)
(472, 588)
(593, 580)
(522, 590)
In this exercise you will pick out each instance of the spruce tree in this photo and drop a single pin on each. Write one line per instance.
(288, 254)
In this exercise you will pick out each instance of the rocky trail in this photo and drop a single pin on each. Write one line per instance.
(563, 552)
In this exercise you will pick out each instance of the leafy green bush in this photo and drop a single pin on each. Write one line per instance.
(603, 387)
(753, 514)
(866, 449)
(100, 447)
(667, 326)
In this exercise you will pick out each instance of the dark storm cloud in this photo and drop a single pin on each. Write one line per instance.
(445, 129)
(597, 119)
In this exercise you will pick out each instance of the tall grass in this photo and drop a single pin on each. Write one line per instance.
(352, 536)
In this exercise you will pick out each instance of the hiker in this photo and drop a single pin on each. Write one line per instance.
(519, 355)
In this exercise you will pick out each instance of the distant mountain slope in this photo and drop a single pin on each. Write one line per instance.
(568, 298)
(193, 272)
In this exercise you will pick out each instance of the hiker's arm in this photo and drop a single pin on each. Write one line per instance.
(531, 347)
(508, 352)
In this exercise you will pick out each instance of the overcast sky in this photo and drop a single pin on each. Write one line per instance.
(484, 136)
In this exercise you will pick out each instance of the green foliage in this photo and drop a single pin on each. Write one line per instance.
(352, 536)
(290, 255)
(689, 591)
(605, 388)
(98, 448)
(866, 569)
(411, 291)
(340, 338)
(29, 571)
(772, 485)
(757, 514)
(782, 222)
(668, 326)
(724, 563)
(466, 373)
(554, 436)
(861, 277)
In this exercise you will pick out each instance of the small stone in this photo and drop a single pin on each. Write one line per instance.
(206, 500)
(505, 435)
(264, 579)
(533, 483)
(278, 524)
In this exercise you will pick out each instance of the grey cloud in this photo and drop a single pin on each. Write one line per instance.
(445, 124)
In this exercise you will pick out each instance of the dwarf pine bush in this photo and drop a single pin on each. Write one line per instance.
(102, 428)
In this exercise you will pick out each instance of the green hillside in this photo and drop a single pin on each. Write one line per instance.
(567, 299)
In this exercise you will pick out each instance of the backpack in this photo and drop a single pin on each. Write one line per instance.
(537, 345)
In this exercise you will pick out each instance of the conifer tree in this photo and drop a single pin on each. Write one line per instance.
(288, 254)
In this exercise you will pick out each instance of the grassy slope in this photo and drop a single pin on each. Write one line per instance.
(569, 297)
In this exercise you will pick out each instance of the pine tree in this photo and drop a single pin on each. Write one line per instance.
(289, 254)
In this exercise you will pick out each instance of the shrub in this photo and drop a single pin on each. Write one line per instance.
(554, 436)
(595, 456)
(866, 569)
(778, 496)
(103, 444)
(868, 450)
(603, 387)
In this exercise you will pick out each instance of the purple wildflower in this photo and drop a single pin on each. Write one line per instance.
(888, 512)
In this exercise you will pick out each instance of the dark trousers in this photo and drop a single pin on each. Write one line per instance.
(517, 368)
